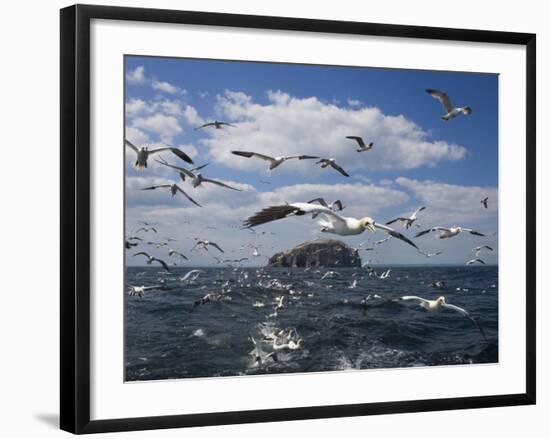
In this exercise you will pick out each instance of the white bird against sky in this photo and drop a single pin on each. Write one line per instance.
(172, 252)
(448, 232)
(440, 304)
(151, 259)
(332, 163)
(479, 249)
(144, 152)
(451, 110)
(408, 221)
(362, 146)
(331, 222)
(196, 177)
(473, 261)
(216, 124)
(174, 189)
(203, 244)
(335, 206)
(273, 161)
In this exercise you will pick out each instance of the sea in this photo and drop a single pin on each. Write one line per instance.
(232, 321)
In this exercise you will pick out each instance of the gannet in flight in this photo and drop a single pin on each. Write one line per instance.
(216, 124)
(408, 221)
(172, 252)
(484, 202)
(273, 161)
(190, 276)
(473, 261)
(448, 232)
(151, 259)
(174, 189)
(144, 152)
(335, 206)
(331, 222)
(361, 143)
(332, 163)
(203, 243)
(451, 110)
(430, 255)
(196, 177)
(138, 291)
(146, 229)
(478, 249)
(439, 304)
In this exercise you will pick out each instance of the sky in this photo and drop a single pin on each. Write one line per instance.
(286, 109)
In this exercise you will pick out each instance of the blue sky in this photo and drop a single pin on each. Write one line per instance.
(418, 159)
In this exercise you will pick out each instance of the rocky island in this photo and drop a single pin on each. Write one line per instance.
(324, 252)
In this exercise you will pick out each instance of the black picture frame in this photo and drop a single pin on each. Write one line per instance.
(75, 217)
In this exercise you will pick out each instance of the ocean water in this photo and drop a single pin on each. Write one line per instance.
(170, 335)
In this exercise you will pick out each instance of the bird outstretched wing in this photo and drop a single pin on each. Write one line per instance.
(441, 97)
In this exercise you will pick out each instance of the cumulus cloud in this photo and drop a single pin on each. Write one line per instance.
(290, 125)
(165, 126)
(165, 87)
(451, 204)
(136, 76)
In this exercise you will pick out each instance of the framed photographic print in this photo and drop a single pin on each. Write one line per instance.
(269, 218)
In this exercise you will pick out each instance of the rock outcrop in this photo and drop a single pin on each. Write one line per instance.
(319, 253)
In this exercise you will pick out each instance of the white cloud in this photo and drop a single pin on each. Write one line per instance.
(354, 102)
(192, 116)
(450, 204)
(289, 125)
(165, 126)
(135, 106)
(165, 87)
(136, 76)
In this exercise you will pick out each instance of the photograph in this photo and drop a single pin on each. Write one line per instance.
(292, 218)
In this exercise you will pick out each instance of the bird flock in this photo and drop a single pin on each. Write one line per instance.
(328, 217)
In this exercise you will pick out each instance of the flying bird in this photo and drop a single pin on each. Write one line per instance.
(478, 249)
(144, 152)
(451, 110)
(431, 255)
(484, 202)
(361, 143)
(448, 232)
(174, 189)
(332, 163)
(408, 221)
(191, 276)
(172, 252)
(331, 222)
(151, 259)
(273, 161)
(335, 206)
(196, 177)
(216, 124)
(146, 229)
(473, 261)
(203, 243)
(139, 290)
(440, 304)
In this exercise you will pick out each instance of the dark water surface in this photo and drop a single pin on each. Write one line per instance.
(167, 336)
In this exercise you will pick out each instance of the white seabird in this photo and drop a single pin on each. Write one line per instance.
(451, 110)
(273, 161)
(151, 259)
(191, 276)
(216, 124)
(140, 290)
(335, 206)
(448, 232)
(144, 152)
(331, 222)
(172, 252)
(174, 189)
(473, 261)
(146, 229)
(361, 143)
(478, 249)
(332, 163)
(203, 244)
(408, 220)
(439, 304)
(196, 177)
